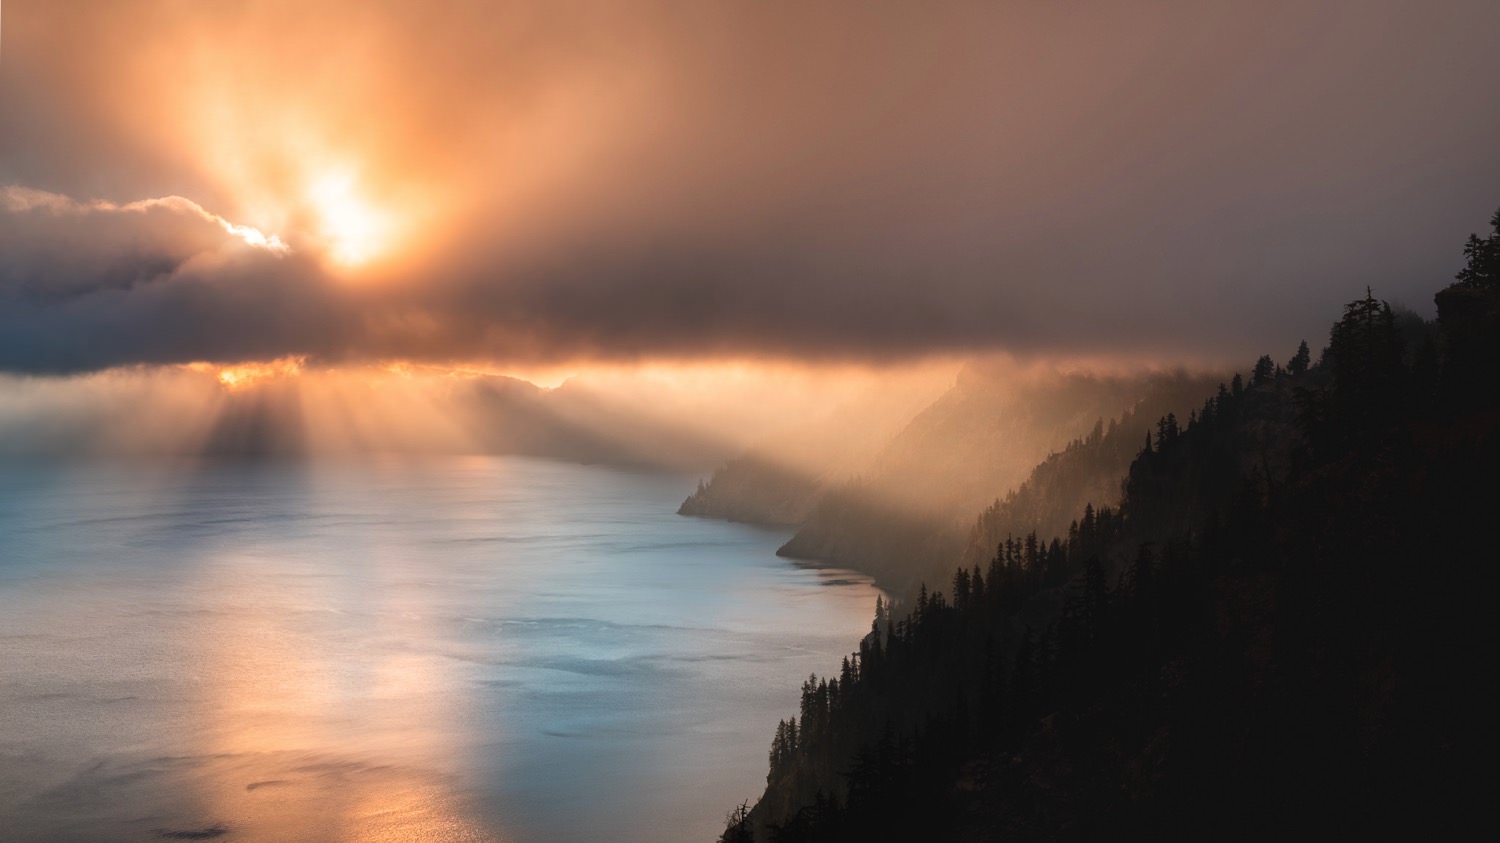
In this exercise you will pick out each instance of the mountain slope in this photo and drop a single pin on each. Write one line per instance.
(912, 514)
(1279, 632)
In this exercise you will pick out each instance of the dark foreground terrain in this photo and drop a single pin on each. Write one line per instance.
(1284, 628)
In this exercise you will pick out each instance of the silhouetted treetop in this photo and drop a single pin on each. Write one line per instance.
(1482, 258)
(1300, 361)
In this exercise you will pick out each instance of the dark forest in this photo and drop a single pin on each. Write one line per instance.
(1279, 631)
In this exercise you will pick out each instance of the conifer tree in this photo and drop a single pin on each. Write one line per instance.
(1482, 259)
(1297, 366)
(1264, 370)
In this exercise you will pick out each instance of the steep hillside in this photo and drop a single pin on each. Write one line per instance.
(912, 513)
(1090, 470)
(1274, 634)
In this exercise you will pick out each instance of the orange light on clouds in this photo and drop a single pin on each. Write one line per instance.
(245, 375)
(254, 236)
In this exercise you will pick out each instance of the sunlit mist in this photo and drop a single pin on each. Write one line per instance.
(247, 374)
(687, 415)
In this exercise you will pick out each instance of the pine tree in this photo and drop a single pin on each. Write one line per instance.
(1482, 259)
(1166, 430)
(961, 586)
(1264, 370)
(1297, 366)
(1365, 351)
(1468, 311)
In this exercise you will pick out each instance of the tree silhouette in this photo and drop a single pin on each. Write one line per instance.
(737, 826)
(1297, 366)
(1365, 352)
(1482, 259)
(1264, 370)
(1468, 311)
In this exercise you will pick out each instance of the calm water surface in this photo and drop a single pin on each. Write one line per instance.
(468, 649)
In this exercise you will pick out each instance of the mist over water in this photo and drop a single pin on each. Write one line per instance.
(454, 649)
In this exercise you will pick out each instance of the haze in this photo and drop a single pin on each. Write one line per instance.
(542, 185)
(475, 420)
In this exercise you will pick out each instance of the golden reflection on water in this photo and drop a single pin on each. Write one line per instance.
(461, 651)
(332, 740)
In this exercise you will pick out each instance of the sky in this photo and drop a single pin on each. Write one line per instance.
(545, 184)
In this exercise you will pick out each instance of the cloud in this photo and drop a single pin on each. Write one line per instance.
(570, 180)
(91, 284)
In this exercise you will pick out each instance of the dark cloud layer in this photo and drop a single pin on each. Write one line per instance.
(860, 180)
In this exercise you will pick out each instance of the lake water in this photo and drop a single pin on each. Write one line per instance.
(466, 649)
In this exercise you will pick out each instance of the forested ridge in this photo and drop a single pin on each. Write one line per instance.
(901, 546)
(1282, 629)
(1089, 470)
(918, 504)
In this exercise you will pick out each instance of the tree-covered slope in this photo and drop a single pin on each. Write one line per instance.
(911, 512)
(1282, 631)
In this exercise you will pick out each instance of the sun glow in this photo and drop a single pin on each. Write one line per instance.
(243, 375)
(354, 231)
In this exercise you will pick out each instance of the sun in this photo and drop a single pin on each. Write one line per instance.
(353, 230)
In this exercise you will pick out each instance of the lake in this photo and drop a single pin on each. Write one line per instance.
(455, 649)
